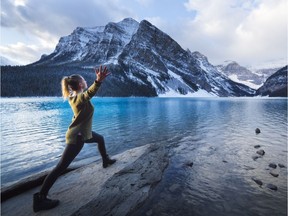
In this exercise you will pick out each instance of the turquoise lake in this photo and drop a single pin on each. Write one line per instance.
(216, 134)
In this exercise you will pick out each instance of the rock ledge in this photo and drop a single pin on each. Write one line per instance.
(92, 190)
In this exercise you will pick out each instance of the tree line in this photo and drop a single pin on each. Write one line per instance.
(25, 81)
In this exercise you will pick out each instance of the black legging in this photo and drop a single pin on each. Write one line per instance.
(70, 152)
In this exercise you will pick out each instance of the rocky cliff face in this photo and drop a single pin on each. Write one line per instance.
(275, 85)
(145, 62)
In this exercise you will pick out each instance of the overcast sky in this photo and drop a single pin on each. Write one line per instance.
(247, 31)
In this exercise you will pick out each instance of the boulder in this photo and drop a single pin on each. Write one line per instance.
(274, 174)
(272, 187)
(273, 165)
(261, 152)
(257, 131)
(189, 163)
(259, 182)
(255, 157)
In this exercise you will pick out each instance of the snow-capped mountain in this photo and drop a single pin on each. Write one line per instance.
(241, 74)
(101, 45)
(275, 85)
(254, 77)
(144, 60)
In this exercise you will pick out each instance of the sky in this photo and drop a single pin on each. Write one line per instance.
(250, 32)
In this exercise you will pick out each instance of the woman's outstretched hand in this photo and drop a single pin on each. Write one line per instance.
(101, 74)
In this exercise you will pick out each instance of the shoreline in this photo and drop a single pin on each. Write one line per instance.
(141, 167)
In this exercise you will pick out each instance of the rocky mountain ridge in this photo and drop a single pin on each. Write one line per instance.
(144, 60)
(142, 56)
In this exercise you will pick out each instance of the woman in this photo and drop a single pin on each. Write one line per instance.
(78, 133)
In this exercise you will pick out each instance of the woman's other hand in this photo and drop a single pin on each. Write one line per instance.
(101, 74)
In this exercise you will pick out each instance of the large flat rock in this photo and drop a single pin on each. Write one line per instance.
(125, 191)
(90, 189)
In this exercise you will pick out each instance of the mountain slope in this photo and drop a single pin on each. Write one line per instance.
(275, 85)
(142, 58)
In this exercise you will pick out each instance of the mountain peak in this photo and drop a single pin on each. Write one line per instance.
(127, 24)
(128, 20)
(199, 56)
(92, 44)
(229, 62)
(143, 59)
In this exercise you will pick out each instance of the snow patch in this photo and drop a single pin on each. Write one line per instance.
(200, 93)
(234, 78)
(93, 30)
(178, 77)
(150, 79)
(202, 66)
(179, 81)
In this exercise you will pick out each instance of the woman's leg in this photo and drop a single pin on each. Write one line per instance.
(40, 200)
(97, 138)
(70, 152)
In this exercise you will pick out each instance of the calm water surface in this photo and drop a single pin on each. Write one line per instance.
(217, 135)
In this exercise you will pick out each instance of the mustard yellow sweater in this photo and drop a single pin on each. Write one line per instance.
(83, 113)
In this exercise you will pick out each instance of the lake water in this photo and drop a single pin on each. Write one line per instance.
(217, 135)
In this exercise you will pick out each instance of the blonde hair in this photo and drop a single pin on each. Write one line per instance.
(69, 84)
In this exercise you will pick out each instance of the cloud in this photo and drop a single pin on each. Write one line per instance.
(58, 17)
(263, 32)
(246, 31)
(48, 20)
(15, 52)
